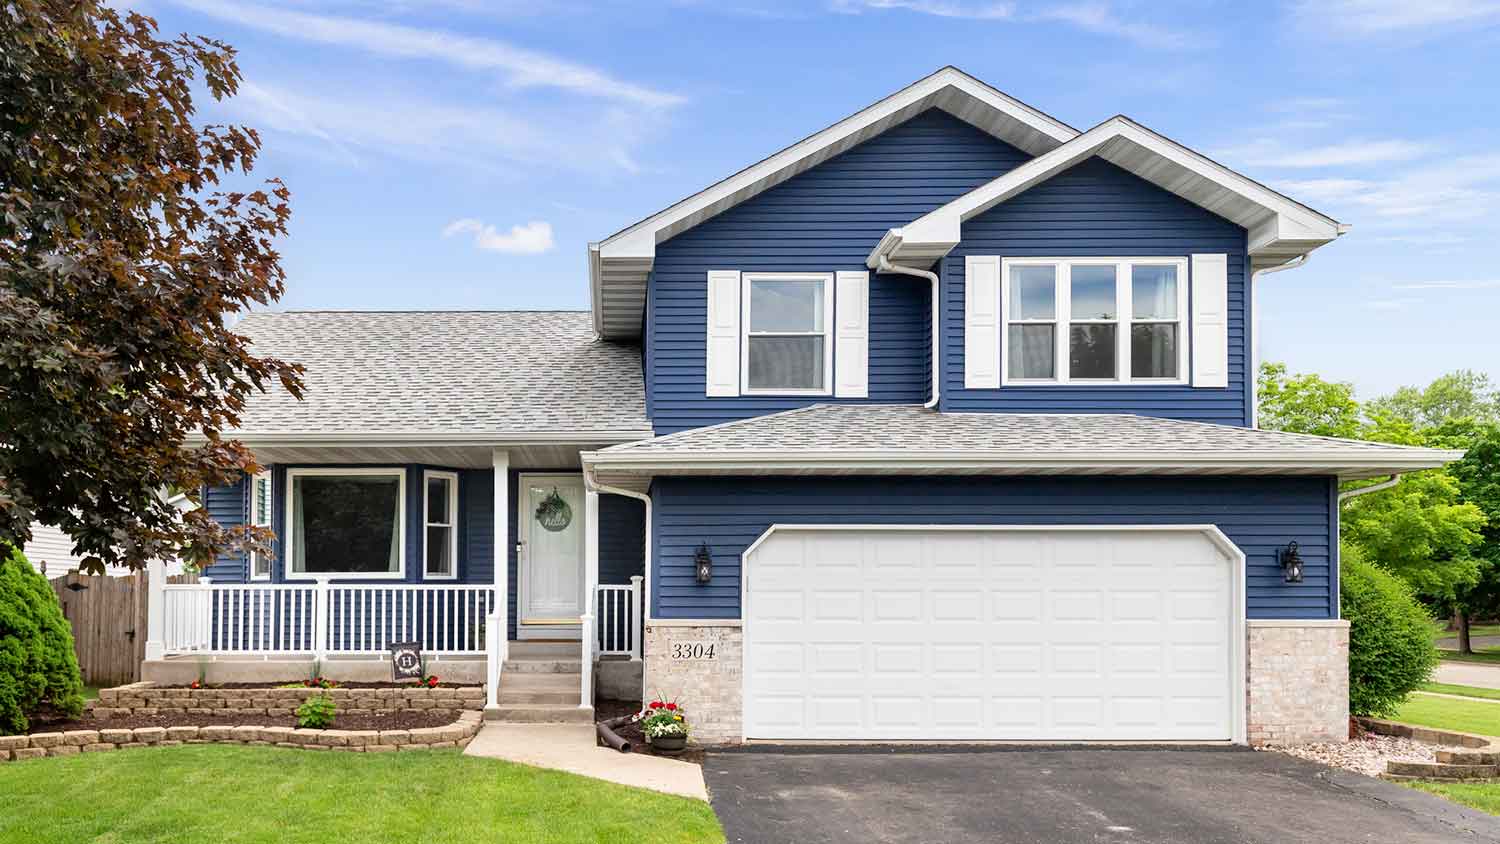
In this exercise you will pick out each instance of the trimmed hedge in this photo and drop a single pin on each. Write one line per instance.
(37, 663)
(1390, 640)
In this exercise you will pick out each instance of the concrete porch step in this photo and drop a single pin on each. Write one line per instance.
(510, 697)
(544, 650)
(543, 666)
(533, 682)
(541, 713)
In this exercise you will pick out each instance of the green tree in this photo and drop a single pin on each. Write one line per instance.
(1478, 478)
(120, 259)
(1306, 404)
(1463, 394)
(37, 665)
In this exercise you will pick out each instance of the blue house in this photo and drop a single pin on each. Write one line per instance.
(938, 424)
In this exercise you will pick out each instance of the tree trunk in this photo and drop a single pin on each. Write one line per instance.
(1463, 631)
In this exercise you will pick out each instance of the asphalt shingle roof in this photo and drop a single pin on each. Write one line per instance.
(451, 372)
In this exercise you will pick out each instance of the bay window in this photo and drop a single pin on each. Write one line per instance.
(1094, 320)
(347, 523)
(787, 348)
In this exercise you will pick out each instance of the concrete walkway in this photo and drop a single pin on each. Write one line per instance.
(1467, 674)
(572, 748)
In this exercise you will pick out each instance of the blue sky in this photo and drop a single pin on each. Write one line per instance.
(462, 153)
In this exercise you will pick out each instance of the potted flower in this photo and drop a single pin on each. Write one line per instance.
(665, 726)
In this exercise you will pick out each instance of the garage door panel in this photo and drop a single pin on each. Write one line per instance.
(971, 635)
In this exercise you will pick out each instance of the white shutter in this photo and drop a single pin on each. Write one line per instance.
(851, 345)
(1210, 328)
(722, 354)
(981, 322)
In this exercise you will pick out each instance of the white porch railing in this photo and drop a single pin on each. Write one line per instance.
(322, 619)
(618, 609)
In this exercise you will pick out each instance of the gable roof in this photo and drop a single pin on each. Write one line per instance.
(869, 439)
(620, 264)
(436, 376)
(1280, 228)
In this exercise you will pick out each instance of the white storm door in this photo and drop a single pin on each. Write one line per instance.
(550, 529)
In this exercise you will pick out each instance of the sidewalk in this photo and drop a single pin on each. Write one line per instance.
(572, 748)
(1467, 674)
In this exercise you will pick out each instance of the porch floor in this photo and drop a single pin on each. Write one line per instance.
(573, 748)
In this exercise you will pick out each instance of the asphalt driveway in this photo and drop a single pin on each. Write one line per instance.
(871, 795)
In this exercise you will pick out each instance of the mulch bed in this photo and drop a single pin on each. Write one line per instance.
(607, 709)
(341, 685)
(397, 719)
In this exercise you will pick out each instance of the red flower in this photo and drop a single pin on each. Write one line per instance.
(671, 707)
(656, 704)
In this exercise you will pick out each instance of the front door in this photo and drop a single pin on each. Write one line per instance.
(550, 532)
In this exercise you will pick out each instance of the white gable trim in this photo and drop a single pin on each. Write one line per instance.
(619, 264)
(1279, 226)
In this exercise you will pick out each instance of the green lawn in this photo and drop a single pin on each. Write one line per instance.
(1481, 655)
(1484, 796)
(197, 793)
(1466, 691)
(1465, 716)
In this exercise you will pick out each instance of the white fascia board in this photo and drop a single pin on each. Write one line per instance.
(940, 230)
(397, 439)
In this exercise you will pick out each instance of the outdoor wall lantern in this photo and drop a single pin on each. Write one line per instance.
(703, 563)
(1291, 563)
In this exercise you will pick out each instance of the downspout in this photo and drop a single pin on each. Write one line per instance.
(884, 265)
(1254, 376)
(1394, 479)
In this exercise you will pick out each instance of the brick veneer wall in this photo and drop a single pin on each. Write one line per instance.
(1297, 681)
(710, 690)
(150, 699)
(37, 745)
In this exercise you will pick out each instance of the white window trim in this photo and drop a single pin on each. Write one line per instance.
(255, 556)
(1125, 317)
(746, 278)
(399, 473)
(452, 524)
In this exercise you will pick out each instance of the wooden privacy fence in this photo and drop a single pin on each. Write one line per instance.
(108, 617)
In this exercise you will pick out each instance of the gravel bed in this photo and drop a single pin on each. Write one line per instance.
(1365, 755)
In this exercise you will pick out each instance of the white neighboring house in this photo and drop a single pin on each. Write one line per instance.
(51, 549)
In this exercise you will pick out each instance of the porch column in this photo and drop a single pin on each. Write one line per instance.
(156, 609)
(499, 621)
(590, 592)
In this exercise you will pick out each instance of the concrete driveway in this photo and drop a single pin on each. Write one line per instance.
(1063, 795)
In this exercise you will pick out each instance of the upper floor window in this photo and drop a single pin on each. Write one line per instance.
(787, 347)
(440, 537)
(1094, 320)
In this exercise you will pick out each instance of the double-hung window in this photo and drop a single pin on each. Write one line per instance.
(260, 516)
(440, 537)
(787, 347)
(348, 523)
(1094, 320)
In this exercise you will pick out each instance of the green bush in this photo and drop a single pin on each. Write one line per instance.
(1390, 640)
(37, 664)
(316, 713)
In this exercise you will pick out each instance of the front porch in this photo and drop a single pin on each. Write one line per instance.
(484, 567)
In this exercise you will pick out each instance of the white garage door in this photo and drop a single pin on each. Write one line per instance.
(1000, 634)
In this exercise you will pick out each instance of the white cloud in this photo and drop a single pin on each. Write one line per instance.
(533, 238)
(1096, 16)
(1268, 153)
(1391, 304)
(519, 67)
(1479, 284)
(1377, 17)
(1459, 192)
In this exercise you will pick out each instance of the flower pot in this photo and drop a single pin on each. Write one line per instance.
(669, 745)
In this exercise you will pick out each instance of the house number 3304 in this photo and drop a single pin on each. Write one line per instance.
(694, 650)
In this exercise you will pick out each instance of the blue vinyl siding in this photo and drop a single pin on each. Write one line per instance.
(229, 506)
(1098, 209)
(1260, 515)
(621, 531)
(824, 220)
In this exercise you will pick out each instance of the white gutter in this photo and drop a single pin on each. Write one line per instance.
(1253, 377)
(390, 439)
(884, 265)
(1366, 490)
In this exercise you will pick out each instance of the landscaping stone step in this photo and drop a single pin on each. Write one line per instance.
(1438, 769)
(1468, 757)
(545, 713)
